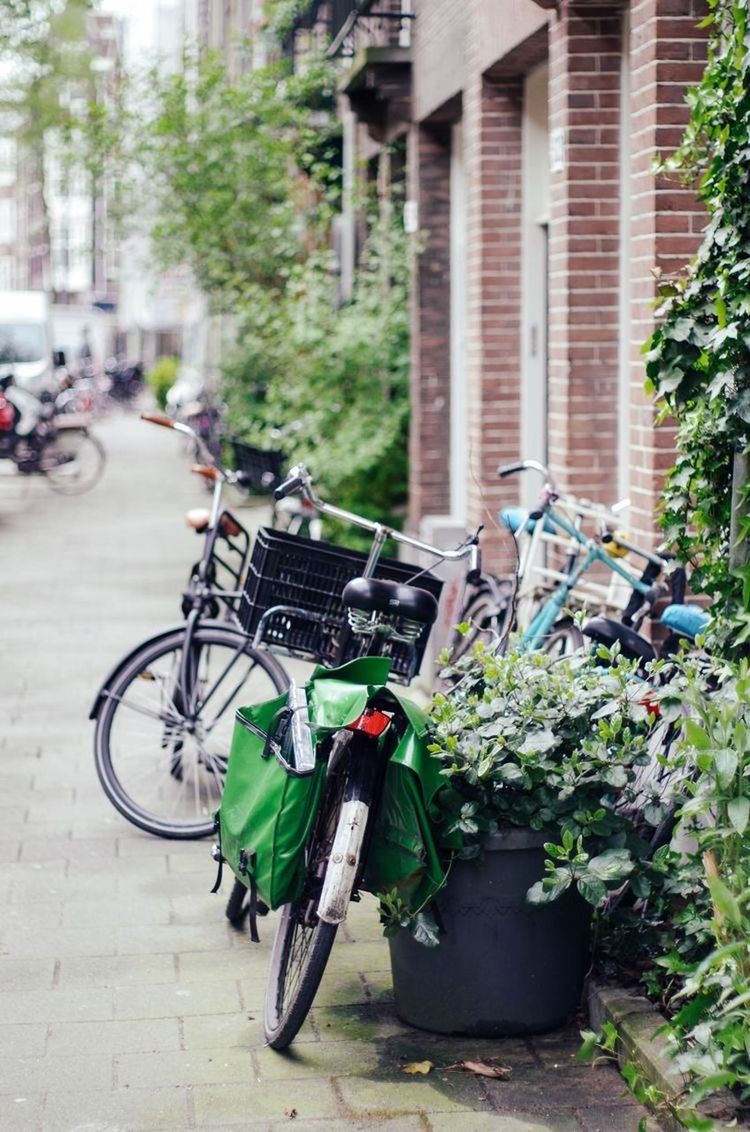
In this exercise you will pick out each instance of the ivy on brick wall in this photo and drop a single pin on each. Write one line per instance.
(698, 360)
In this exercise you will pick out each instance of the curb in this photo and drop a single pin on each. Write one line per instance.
(637, 1022)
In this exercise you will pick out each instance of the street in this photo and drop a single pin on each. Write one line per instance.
(126, 1000)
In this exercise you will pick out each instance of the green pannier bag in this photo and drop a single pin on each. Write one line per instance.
(267, 809)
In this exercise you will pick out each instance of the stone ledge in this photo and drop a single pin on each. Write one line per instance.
(637, 1021)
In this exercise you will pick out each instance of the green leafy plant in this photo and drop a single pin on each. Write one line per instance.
(340, 371)
(553, 745)
(161, 377)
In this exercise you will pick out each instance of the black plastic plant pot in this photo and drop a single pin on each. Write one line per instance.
(503, 967)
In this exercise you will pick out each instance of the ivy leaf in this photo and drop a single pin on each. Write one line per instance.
(725, 764)
(612, 864)
(547, 890)
(592, 890)
(725, 904)
(424, 929)
(738, 812)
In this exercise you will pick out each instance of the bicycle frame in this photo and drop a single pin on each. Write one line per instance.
(542, 623)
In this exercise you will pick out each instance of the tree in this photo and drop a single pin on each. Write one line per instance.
(242, 174)
(44, 62)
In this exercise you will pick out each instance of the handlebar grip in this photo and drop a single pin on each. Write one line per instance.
(474, 572)
(288, 487)
(158, 418)
(509, 470)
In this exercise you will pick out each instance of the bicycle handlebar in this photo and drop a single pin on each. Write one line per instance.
(523, 466)
(292, 484)
(160, 419)
(300, 481)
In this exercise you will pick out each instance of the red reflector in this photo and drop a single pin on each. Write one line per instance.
(651, 705)
(372, 722)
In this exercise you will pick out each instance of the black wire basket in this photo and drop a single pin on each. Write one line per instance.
(306, 579)
(263, 468)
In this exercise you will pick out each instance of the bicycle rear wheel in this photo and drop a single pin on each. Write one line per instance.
(564, 639)
(161, 750)
(303, 942)
(73, 461)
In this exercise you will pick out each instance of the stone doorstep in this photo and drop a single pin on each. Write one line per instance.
(637, 1021)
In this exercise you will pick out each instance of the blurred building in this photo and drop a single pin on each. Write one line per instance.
(526, 132)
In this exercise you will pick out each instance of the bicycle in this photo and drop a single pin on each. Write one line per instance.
(58, 447)
(543, 593)
(164, 714)
(496, 604)
(389, 615)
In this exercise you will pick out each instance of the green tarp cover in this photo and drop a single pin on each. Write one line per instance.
(270, 813)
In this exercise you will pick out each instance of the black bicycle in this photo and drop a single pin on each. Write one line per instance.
(333, 605)
(164, 715)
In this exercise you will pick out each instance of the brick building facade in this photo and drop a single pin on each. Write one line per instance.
(531, 132)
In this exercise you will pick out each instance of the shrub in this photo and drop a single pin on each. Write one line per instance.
(161, 377)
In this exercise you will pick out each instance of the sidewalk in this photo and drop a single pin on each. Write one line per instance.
(127, 1002)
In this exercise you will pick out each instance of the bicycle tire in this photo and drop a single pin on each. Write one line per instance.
(300, 935)
(563, 639)
(171, 785)
(83, 471)
(486, 612)
(236, 909)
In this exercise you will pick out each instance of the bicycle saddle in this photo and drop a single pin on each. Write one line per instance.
(605, 630)
(685, 620)
(513, 518)
(375, 595)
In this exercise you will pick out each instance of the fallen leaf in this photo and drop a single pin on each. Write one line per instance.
(482, 1069)
(290, 1112)
(417, 1067)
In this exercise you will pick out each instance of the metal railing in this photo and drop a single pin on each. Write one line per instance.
(367, 27)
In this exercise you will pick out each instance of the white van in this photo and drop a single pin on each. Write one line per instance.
(26, 339)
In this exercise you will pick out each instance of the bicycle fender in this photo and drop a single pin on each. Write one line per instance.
(343, 862)
(125, 660)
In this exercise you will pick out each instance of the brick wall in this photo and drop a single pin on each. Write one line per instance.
(428, 174)
(492, 139)
(584, 61)
(668, 53)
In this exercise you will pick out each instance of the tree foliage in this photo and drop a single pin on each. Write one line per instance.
(339, 372)
(241, 172)
(45, 55)
(698, 360)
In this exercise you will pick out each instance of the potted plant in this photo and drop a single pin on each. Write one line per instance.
(540, 759)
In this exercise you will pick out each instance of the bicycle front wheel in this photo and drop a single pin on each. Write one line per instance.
(303, 942)
(486, 614)
(161, 745)
(73, 462)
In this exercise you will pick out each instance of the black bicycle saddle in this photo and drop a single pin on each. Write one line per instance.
(375, 595)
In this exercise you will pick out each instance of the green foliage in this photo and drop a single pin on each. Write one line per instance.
(340, 371)
(44, 74)
(282, 15)
(690, 943)
(550, 745)
(225, 160)
(697, 360)
(161, 377)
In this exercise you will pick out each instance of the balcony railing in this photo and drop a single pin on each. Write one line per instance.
(371, 28)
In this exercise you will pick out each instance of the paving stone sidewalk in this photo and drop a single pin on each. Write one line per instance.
(127, 1002)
